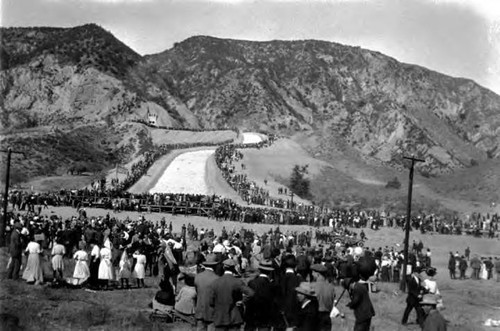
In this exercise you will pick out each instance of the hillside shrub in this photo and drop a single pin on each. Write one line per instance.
(299, 184)
(393, 183)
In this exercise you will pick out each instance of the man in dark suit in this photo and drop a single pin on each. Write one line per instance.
(362, 305)
(413, 300)
(228, 297)
(288, 297)
(262, 310)
(16, 252)
(308, 319)
(203, 283)
(360, 302)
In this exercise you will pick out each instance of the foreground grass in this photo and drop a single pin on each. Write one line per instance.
(468, 303)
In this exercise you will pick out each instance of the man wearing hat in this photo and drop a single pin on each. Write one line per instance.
(15, 251)
(227, 297)
(434, 321)
(289, 281)
(308, 313)
(414, 283)
(325, 294)
(203, 281)
(262, 310)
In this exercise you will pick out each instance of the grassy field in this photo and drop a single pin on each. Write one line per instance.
(468, 303)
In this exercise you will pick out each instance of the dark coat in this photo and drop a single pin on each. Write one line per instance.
(288, 300)
(414, 290)
(434, 322)
(227, 291)
(308, 318)
(15, 246)
(203, 283)
(262, 309)
(361, 303)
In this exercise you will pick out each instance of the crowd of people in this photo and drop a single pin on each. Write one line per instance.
(481, 267)
(295, 287)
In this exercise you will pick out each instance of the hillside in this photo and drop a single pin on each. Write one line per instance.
(343, 97)
(72, 95)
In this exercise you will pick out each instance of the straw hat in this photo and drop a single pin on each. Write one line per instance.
(306, 289)
(210, 260)
(319, 268)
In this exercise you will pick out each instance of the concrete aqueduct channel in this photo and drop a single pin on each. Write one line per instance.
(191, 172)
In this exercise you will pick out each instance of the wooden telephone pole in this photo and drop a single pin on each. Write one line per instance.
(408, 221)
(3, 221)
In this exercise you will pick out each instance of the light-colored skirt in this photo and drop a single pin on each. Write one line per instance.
(33, 271)
(105, 270)
(57, 262)
(81, 270)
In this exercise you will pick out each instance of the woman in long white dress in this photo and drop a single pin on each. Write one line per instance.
(140, 268)
(33, 271)
(483, 274)
(124, 272)
(81, 272)
(105, 268)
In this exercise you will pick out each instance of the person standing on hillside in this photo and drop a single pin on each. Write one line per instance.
(475, 264)
(228, 297)
(16, 252)
(203, 281)
(413, 299)
(434, 321)
(262, 310)
(497, 268)
(463, 267)
(325, 293)
(452, 266)
(467, 253)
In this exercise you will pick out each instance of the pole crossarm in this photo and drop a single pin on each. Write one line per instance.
(413, 159)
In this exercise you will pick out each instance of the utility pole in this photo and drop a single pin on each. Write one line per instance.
(9, 152)
(408, 221)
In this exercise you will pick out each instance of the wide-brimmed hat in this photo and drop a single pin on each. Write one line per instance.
(228, 263)
(266, 266)
(306, 289)
(429, 299)
(319, 268)
(210, 260)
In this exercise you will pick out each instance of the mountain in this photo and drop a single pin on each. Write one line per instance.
(357, 109)
(337, 96)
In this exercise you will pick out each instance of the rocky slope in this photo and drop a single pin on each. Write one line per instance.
(339, 102)
(340, 97)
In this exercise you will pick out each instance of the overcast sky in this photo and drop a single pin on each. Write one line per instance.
(457, 37)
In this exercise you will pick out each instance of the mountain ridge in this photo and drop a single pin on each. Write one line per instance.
(335, 100)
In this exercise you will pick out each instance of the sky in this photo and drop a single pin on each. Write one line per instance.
(460, 38)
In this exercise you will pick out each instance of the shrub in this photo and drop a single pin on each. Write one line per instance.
(393, 183)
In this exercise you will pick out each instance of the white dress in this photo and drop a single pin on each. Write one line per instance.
(81, 268)
(105, 266)
(140, 266)
(431, 286)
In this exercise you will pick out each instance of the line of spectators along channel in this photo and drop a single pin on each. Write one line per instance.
(225, 209)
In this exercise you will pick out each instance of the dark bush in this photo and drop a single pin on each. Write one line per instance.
(393, 183)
